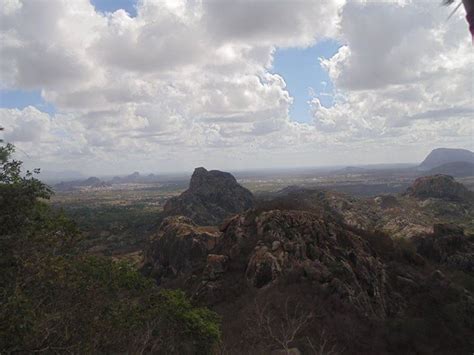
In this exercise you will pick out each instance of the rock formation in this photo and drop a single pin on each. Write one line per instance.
(298, 245)
(211, 197)
(322, 253)
(363, 288)
(448, 245)
(179, 247)
(439, 186)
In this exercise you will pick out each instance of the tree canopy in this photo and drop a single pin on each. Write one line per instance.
(55, 298)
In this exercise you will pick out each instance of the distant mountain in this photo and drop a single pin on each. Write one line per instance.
(456, 169)
(211, 197)
(134, 178)
(92, 182)
(52, 177)
(442, 156)
(351, 170)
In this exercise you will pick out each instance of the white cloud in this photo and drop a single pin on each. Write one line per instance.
(188, 82)
(401, 69)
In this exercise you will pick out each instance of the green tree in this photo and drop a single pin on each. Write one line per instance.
(54, 298)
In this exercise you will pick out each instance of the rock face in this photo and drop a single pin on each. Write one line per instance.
(212, 196)
(292, 246)
(450, 246)
(359, 285)
(179, 247)
(442, 156)
(400, 216)
(387, 202)
(439, 186)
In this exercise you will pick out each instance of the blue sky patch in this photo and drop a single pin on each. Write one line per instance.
(301, 70)
(22, 98)
(114, 5)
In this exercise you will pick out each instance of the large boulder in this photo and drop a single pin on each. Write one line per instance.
(211, 197)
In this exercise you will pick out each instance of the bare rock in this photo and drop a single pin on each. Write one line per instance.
(211, 197)
(439, 186)
(215, 267)
(179, 247)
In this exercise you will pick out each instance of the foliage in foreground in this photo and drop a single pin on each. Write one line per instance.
(55, 299)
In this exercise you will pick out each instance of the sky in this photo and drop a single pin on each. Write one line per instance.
(109, 87)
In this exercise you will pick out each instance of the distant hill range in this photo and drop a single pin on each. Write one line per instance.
(92, 182)
(134, 178)
(96, 183)
(442, 156)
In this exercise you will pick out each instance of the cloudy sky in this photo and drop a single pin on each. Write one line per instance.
(108, 87)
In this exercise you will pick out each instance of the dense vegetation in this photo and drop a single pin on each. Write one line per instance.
(55, 298)
(112, 230)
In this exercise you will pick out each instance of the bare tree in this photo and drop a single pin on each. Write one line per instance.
(324, 347)
(284, 328)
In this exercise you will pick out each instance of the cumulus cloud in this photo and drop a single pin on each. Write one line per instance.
(402, 67)
(188, 82)
(280, 23)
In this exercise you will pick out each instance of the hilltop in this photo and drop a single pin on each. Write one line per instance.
(212, 196)
(442, 156)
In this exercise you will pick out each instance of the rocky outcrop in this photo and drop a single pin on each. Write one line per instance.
(180, 247)
(387, 202)
(439, 186)
(332, 205)
(293, 246)
(359, 285)
(401, 216)
(448, 245)
(211, 197)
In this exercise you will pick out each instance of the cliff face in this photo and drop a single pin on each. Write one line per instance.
(211, 197)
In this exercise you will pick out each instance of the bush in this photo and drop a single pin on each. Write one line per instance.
(93, 304)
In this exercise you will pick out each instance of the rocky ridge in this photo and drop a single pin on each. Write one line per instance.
(326, 267)
(402, 216)
(323, 253)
